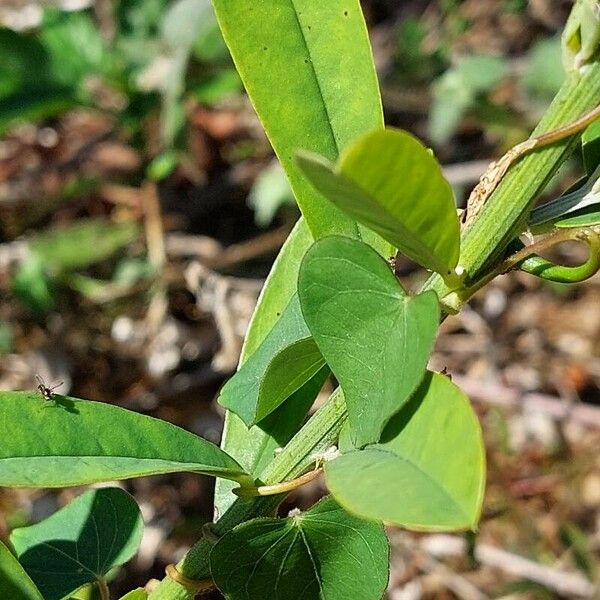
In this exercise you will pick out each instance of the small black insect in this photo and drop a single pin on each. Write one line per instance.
(46, 392)
(445, 372)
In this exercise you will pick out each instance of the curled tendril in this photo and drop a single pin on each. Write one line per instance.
(528, 261)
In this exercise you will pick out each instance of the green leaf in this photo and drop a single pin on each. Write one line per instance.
(390, 182)
(25, 62)
(457, 91)
(588, 217)
(80, 543)
(82, 244)
(428, 471)
(301, 114)
(480, 73)
(28, 92)
(287, 373)
(271, 191)
(163, 165)
(187, 20)
(242, 393)
(376, 339)
(575, 208)
(581, 36)
(590, 144)
(210, 47)
(76, 49)
(279, 288)
(15, 584)
(214, 88)
(253, 448)
(31, 285)
(316, 55)
(544, 73)
(577, 541)
(67, 442)
(451, 100)
(138, 594)
(324, 554)
(34, 105)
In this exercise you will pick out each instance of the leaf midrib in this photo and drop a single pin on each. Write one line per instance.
(406, 459)
(330, 128)
(434, 262)
(316, 78)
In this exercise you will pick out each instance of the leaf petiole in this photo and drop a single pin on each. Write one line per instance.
(278, 488)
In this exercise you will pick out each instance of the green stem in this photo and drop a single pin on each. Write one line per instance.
(526, 259)
(483, 243)
(505, 214)
(103, 588)
(545, 269)
(312, 441)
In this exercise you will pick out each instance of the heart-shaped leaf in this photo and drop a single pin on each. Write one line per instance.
(375, 338)
(428, 471)
(389, 181)
(325, 554)
(81, 543)
(15, 584)
(65, 441)
(252, 397)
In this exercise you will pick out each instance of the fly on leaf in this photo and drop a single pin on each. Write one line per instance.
(46, 392)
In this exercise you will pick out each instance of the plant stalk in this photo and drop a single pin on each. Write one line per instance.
(505, 214)
(318, 435)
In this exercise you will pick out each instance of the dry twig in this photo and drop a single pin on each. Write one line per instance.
(582, 414)
(566, 583)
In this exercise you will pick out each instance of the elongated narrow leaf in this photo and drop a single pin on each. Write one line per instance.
(66, 442)
(82, 244)
(375, 338)
(15, 584)
(279, 288)
(316, 55)
(331, 120)
(242, 393)
(590, 144)
(428, 471)
(323, 554)
(253, 447)
(580, 200)
(389, 181)
(587, 217)
(81, 543)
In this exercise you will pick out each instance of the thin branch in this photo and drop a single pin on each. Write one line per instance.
(278, 488)
(155, 240)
